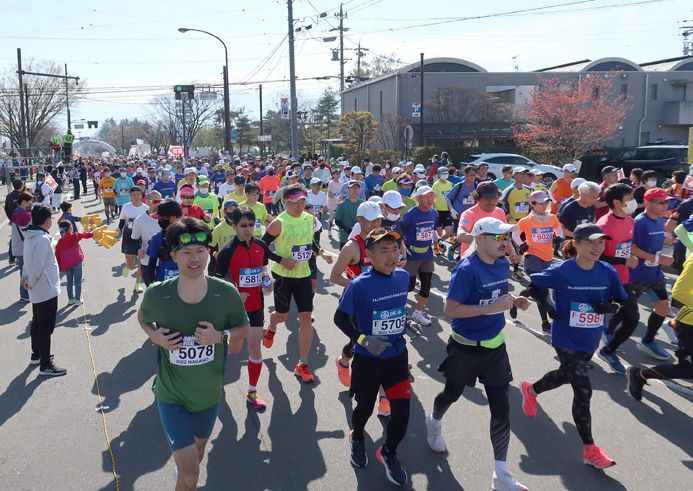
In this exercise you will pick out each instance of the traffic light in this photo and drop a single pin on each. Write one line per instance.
(95, 124)
(184, 92)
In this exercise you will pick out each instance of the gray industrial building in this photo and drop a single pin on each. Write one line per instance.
(661, 95)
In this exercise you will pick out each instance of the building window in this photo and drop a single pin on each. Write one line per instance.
(624, 91)
(354, 103)
(653, 92)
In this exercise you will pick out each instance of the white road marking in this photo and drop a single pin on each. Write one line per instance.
(675, 386)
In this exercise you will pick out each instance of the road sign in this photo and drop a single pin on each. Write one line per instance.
(415, 109)
(176, 150)
(264, 138)
(78, 126)
(285, 108)
(207, 96)
(234, 136)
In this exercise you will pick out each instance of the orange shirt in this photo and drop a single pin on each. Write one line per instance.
(563, 191)
(539, 236)
(472, 215)
(269, 186)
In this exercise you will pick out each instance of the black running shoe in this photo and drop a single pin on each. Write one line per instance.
(36, 359)
(52, 371)
(358, 451)
(546, 327)
(635, 383)
(395, 473)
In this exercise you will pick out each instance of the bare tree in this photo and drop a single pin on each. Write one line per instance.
(44, 100)
(169, 116)
(391, 133)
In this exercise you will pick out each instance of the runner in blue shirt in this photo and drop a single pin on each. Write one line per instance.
(583, 288)
(420, 224)
(477, 298)
(374, 182)
(161, 266)
(166, 186)
(373, 313)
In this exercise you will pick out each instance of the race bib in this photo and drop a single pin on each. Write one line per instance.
(487, 297)
(522, 207)
(468, 200)
(250, 277)
(131, 222)
(386, 322)
(191, 353)
(542, 235)
(170, 273)
(258, 224)
(107, 190)
(623, 250)
(583, 315)
(209, 212)
(424, 233)
(270, 194)
(317, 209)
(301, 253)
(123, 192)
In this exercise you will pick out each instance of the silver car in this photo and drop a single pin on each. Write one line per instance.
(496, 161)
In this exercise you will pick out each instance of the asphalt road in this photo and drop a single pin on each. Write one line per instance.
(55, 436)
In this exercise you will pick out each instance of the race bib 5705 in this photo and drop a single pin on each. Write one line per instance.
(386, 322)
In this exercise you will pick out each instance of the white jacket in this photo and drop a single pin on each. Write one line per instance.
(40, 265)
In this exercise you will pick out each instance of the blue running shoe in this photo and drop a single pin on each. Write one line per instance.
(653, 350)
(451, 253)
(613, 361)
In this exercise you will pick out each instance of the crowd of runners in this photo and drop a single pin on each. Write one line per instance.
(212, 240)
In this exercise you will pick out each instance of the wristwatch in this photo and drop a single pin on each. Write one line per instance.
(225, 335)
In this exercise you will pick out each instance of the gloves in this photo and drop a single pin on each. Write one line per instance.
(375, 345)
(90, 222)
(606, 307)
(453, 213)
(541, 297)
(523, 248)
(557, 242)
(513, 312)
(105, 237)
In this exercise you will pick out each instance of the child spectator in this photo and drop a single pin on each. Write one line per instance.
(70, 256)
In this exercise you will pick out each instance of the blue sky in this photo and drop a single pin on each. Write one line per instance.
(131, 51)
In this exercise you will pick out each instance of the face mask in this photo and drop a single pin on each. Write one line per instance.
(405, 192)
(393, 217)
(652, 182)
(163, 223)
(322, 166)
(204, 191)
(107, 174)
(631, 206)
(123, 174)
(387, 166)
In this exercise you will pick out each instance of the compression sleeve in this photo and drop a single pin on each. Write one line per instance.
(268, 239)
(346, 324)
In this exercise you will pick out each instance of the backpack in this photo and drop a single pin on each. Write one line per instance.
(38, 193)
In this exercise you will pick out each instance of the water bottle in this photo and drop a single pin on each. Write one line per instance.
(266, 284)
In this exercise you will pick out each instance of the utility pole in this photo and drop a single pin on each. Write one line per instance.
(359, 54)
(67, 100)
(292, 83)
(20, 72)
(423, 140)
(122, 137)
(262, 143)
(341, 49)
(185, 146)
(687, 34)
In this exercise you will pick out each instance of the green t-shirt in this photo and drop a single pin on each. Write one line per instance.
(409, 203)
(222, 234)
(346, 213)
(209, 203)
(260, 216)
(197, 386)
(503, 184)
(390, 185)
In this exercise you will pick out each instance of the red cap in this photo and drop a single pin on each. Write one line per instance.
(657, 193)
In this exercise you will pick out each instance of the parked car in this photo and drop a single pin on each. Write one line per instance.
(496, 161)
(663, 159)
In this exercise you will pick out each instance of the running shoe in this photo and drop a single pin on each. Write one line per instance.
(442, 247)
(595, 456)
(36, 359)
(517, 276)
(635, 383)
(670, 330)
(268, 339)
(343, 373)
(436, 250)
(384, 407)
(257, 401)
(329, 234)
(504, 481)
(302, 371)
(71, 301)
(529, 402)
(78, 302)
(138, 288)
(546, 327)
(451, 253)
(653, 350)
(52, 371)
(24, 300)
(435, 435)
(358, 455)
(126, 271)
(613, 361)
(395, 473)
(420, 318)
(513, 312)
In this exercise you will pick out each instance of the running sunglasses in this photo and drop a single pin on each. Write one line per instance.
(658, 201)
(187, 196)
(245, 225)
(499, 237)
(199, 238)
(156, 201)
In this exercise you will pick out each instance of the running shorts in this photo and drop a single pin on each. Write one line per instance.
(299, 288)
(257, 317)
(109, 201)
(129, 245)
(416, 266)
(369, 373)
(656, 290)
(445, 218)
(465, 364)
(534, 264)
(182, 426)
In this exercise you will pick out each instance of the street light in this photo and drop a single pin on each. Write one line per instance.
(227, 119)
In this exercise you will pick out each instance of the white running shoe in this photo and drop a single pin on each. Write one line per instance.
(420, 318)
(506, 482)
(435, 435)
(670, 332)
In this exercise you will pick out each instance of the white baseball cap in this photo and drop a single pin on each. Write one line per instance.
(576, 182)
(393, 199)
(188, 171)
(355, 170)
(315, 180)
(419, 167)
(369, 210)
(424, 190)
(569, 168)
(490, 225)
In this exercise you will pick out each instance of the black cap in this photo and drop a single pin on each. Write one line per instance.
(589, 231)
(487, 190)
(17, 184)
(608, 169)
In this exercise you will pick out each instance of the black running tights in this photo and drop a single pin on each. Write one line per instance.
(500, 412)
(573, 370)
(684, 368)
(396, 427)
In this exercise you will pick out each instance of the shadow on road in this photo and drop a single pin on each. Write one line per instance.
(18, 393)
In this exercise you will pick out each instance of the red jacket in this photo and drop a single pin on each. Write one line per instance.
(68, 251)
